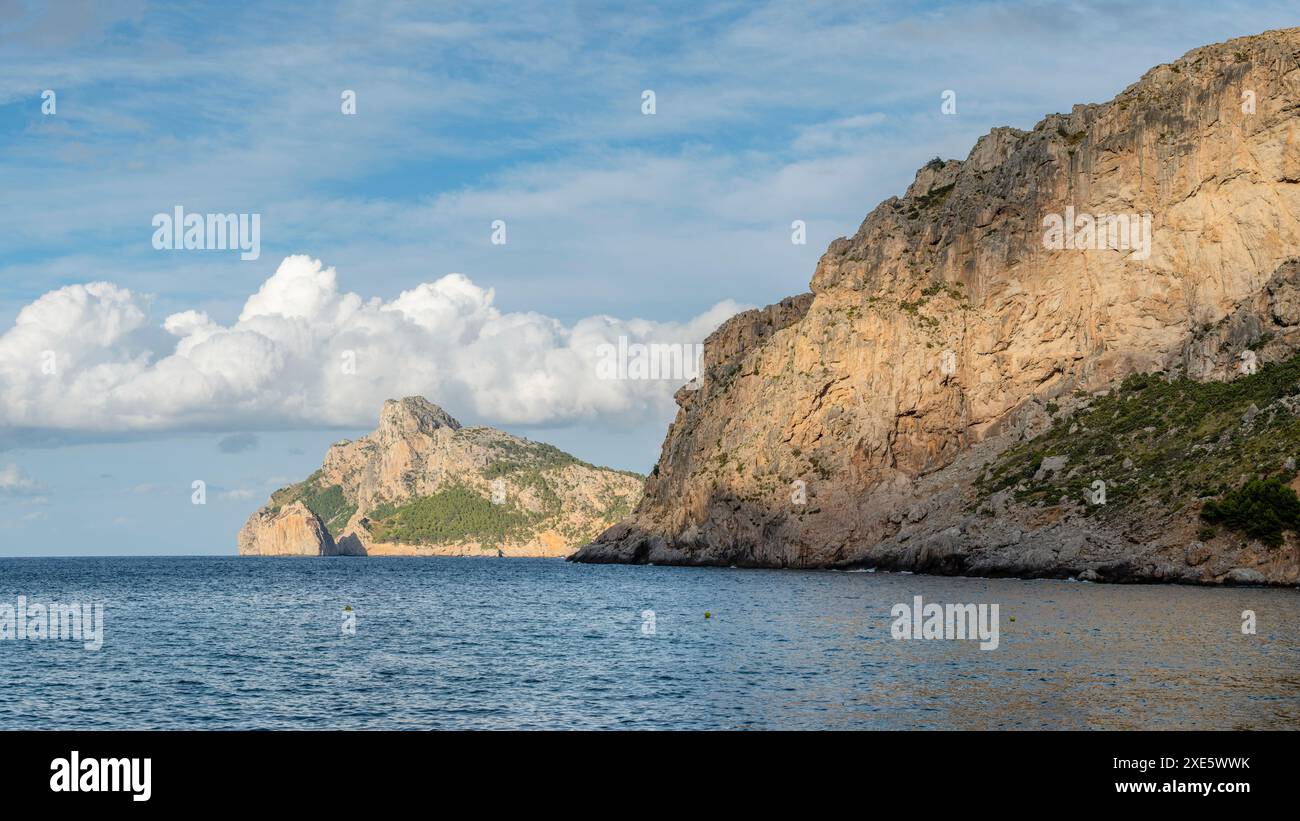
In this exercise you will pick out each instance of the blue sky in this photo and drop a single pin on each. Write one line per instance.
(618, 222)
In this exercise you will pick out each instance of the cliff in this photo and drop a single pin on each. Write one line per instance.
(291, 530)
(953, 389)
(421, 484)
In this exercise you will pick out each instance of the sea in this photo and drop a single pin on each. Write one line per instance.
(219, 643)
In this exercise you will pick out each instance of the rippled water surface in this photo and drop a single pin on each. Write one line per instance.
(223, 643)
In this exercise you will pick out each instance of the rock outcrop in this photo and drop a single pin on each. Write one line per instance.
(421, 484)
(873, 421)
(292, 530)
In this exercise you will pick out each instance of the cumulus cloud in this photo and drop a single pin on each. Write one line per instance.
(86, 358)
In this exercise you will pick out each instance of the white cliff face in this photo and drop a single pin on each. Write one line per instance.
(933, 334)
(421, 484)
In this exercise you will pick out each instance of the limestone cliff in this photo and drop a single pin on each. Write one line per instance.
(421, 484)
(292, 530)
(956, 365)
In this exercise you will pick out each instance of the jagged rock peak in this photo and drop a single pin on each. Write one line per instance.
(414, 414)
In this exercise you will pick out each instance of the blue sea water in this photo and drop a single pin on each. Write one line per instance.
(233, 643)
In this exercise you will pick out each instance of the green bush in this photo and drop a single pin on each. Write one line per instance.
(1262, 509)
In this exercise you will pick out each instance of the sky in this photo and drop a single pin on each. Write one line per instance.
(461, 201)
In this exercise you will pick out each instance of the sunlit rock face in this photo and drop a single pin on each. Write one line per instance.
(290, 531)
(850, 426)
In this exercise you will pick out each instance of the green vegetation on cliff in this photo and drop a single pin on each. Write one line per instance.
(1262, 509)
(327, 502)
(526, 455)
(455, 514)
(1157, 442)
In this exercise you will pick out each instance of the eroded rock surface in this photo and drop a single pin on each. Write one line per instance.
(288, 531)
(945, 330)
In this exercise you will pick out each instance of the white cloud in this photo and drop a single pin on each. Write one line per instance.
(843, 135)
(303, 353)
(14, 481)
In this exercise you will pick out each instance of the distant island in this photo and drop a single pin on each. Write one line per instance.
(422, 485)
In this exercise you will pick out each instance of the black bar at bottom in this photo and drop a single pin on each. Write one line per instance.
(332, 769)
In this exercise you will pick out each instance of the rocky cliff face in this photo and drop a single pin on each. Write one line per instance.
(292, 530)
(878, 420)
(421, 484)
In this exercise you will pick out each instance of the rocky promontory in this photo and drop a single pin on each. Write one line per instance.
(967, 391)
